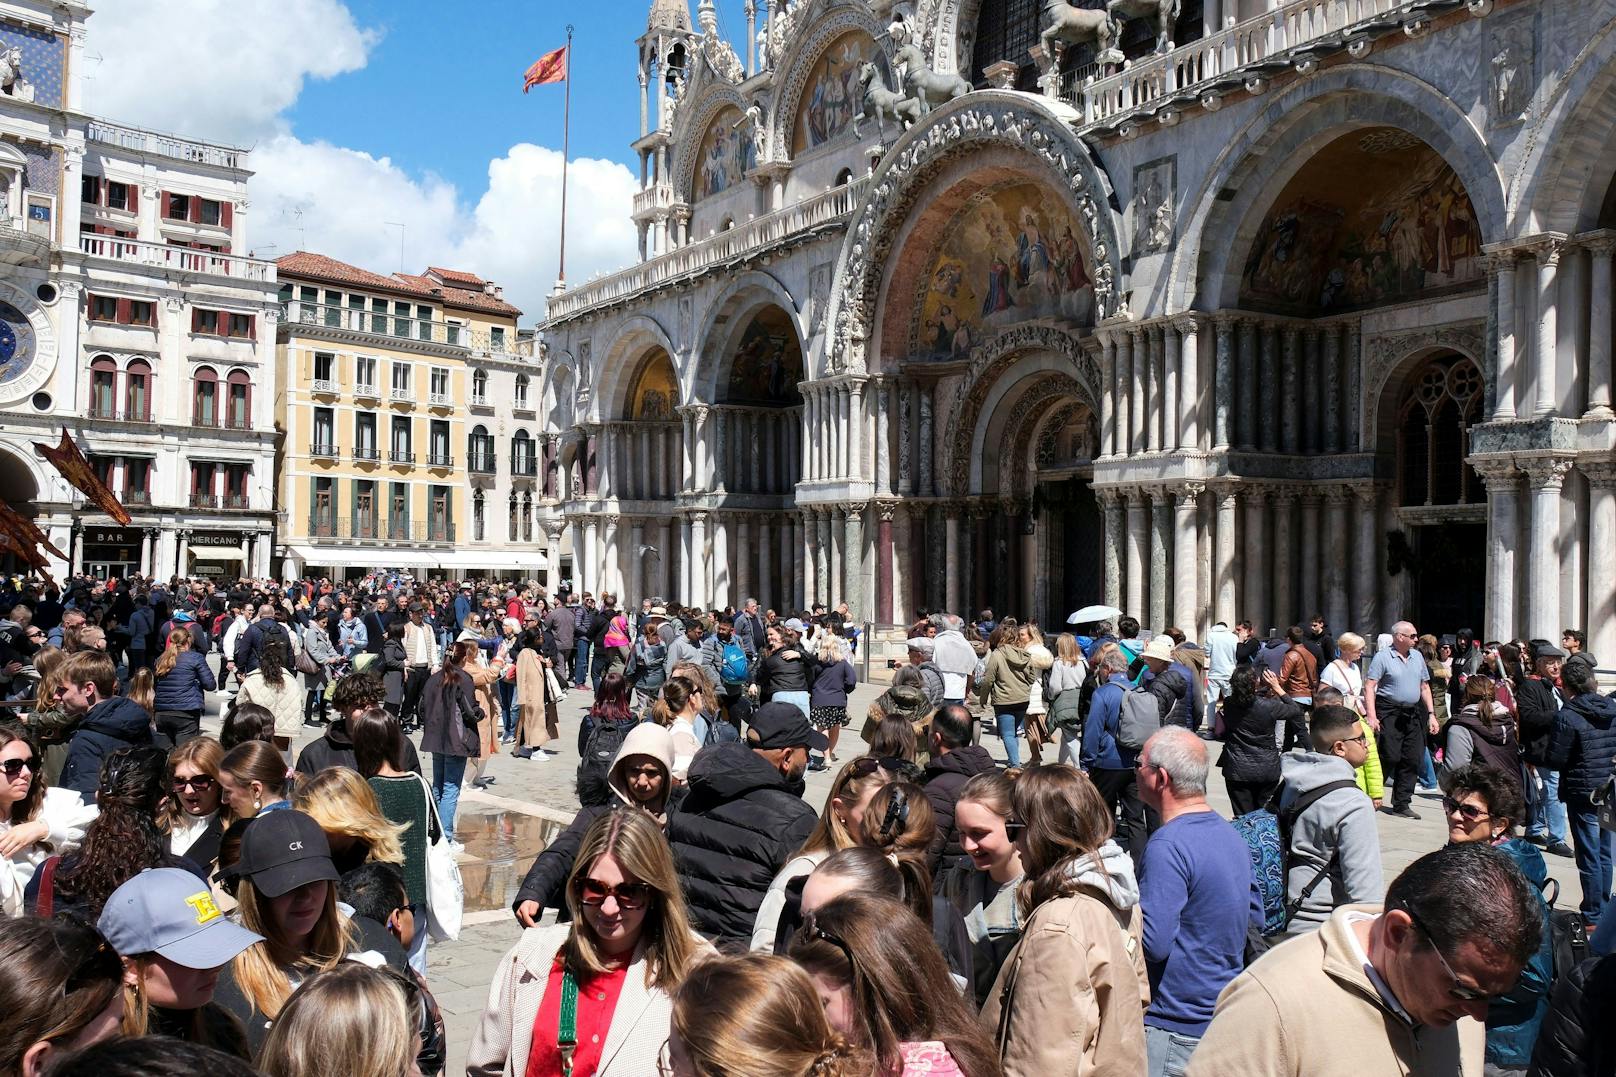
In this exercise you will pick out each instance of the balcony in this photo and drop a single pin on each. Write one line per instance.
(102, 411)
(657, 198)
(135, 497)
(325, 385)
(440, 400)
(524, 469)
(240, 502)
(152, 142)
(400, 457)
(373, 530)
(366, 391)
(366, 454)
(323, 450)
(481, 463)
(399, 396)
(238, 422)
(480, 401)
(440, 459)
(204, 501)
(178, 259)
(377, 326)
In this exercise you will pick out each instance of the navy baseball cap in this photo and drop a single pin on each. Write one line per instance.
(283, 850)
(169, 911)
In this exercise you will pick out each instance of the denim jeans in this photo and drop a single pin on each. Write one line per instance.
(580, 662)
(1011, 717)
(1593, 847)
(1544, 811)
(448, 771)
(507, 707)
(1168, 1053)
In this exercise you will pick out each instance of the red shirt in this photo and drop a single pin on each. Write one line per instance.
(597, 1000)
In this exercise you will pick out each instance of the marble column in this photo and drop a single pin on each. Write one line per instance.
(906, 421)
(844, 431)
(1156, 406)
(1139, 405)
(1222, 383)
(1600, 247)
(807, 552)
(1281, 558)
(1111, 540)
(610, 575)
(881, 457)
(1223, 590)
(810, 442)
(721, 450)
(1189, 383)
(1173, 400)
(1268, 402)
(792, 539)
(1601, 558)
(1137, 553)
(1310, 593)
(1503, 539)
(696, 582)
(1548, 334)
(884, 558)
(1256, 560)
(587, 566)
(856, 587)
(1508, 343)
(1366, 618)
(905, 565)
(638, 583)
(1245, 420)
(951, 559)
(927, 485)
(1307, 375)
(662, 582)
(1330, 386)
(766, 589)
(146, 544)
(1545, 478)
(1125, 393)
(1185, 577)
(838, 555)
(1290, 411)
(1334, 570)
(687, 560)
(1161, 542)
(745, 585)
(1108, 394)
(722, 568)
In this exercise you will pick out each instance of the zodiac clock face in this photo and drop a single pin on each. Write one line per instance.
(17, 344)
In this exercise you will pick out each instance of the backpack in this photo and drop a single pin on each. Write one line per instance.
(1139, 717)
(1267, 832)
(595, 768)
(1568, 937)
(733, 665)
(720, 730)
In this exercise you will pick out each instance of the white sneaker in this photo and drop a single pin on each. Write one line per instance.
(456, 848)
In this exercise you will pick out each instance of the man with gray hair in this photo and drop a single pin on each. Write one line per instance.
(1198, 896)
(954, 657)
(1398, 707)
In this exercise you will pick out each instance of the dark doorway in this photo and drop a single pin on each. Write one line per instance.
(1076, 575)
(1448, 563)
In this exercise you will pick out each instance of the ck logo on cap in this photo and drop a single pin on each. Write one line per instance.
(204, 906)
(294, 847)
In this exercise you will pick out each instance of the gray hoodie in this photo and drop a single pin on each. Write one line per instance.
(1111, 874)
(1343, 823)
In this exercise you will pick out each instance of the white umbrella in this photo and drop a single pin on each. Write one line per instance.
(1090, 614)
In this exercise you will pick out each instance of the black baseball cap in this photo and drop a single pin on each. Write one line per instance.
(282, 851)
(781, 725)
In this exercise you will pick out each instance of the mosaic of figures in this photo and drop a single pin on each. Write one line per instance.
(1376, 217)
(768, 363)
(1012, 256)
(831, 97)
(728, 153)
(656, 392)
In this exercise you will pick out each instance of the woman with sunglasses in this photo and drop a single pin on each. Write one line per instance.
(982, 884)
(1483, 804)
(192, 816)
(62, 991)
(593, 998)
(35, 820)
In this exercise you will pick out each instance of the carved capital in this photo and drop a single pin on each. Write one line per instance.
(699, 519)
(1496, 474)
(1548, 250)
(1547, 474)
(854, 508)
(1337, 495)
(1600, 475)
(1367, 495)
(1190, 492)
(1601, 243)
(887, 509)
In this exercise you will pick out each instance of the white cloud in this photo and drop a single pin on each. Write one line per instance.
(228, 70)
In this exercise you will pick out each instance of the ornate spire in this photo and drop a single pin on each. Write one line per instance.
(669, 15)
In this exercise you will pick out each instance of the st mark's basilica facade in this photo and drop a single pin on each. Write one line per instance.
(1245, 309)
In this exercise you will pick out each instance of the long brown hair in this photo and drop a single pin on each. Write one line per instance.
(179, 639)
(123, 839)
(900, 823)
(1066, 819)
(262, 969)
(893, 968)
(60, 975)
(1482, 690)
(831, 834)
(259, 761)
(28, 807)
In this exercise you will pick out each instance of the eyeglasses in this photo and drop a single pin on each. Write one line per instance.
(200, 782)
(1014, 828)
(1361, 738)
(664, 1058)
(1455, 988)
(628, 895)
(1468, 812)
(14, 767)
(865, 765)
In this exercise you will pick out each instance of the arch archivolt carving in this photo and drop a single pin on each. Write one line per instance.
(1560, 182)
(840, 16)
(740, 298)
(1385, 356)
(1050, 394)
(619, 361)
(692, 130)
(968, 125)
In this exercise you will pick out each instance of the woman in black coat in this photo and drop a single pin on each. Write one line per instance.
(449, 717)
(391, 667)
(1250, 759)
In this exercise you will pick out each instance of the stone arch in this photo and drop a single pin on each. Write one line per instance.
(653, 390)
(619, 361)
(22, 481)
(723, 322)
(1003, 434)
(1390, 362)
(836, 17)
(1035, 128)
(1276, 144)
(1563, 176)
(690, 130)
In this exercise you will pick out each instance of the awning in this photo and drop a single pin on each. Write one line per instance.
(367, 557)
(217, 553)
(468, 560)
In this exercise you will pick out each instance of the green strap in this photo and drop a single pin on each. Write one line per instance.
(567, 1035)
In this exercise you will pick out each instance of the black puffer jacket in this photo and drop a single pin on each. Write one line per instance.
(1250, 752)
(1536, 704)
(777, 673)
(737, 827)
(1575, 1038)
(1584, 744)
(113, 723)
(945, 776)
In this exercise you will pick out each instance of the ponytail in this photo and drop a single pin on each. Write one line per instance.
(899, 824)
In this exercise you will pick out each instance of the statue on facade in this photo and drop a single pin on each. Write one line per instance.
(881, 101)
(1072, 25)
(925, 85)
(1165, 12)
(12, 84)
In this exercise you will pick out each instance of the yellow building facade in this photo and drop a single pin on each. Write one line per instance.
(374, 385)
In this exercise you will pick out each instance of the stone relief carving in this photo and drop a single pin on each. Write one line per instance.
(1019, 428)
(983, 117)
(1155, 192)
(720, 56)
(1512, 53)
(687, 320)
(882, 102)
(1381, 354)
(585, 376)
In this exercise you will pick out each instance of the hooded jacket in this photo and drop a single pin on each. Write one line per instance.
(335, 749)
(735, 830)
(1220, 646)
(1584, 744)
(113, 723)
(1008, 678)
(944, 778)
(1340, 823)
(1070, 998)
(1272, 655)
(1470, 740)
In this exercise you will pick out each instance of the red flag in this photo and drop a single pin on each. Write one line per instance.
(26, 535)
(68, 460)
(551, 67)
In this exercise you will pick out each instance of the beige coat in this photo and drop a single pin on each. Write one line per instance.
(536, 712)
(1071, 997)
(500, 1046)
(285, 703)
(1307, 1007)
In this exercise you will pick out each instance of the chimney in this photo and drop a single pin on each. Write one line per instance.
(489, 288)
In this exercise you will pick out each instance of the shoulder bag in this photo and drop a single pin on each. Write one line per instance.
(445, 893)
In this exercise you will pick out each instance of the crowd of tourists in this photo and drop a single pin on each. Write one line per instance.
(177, 899)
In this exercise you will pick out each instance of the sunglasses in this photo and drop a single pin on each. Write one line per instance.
(628, 895)
(865, 765)
(1014, 828)
(14, 767)
(1455, 988)
(1468, 812)
(200, 782)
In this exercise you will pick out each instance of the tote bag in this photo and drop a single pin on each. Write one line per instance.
(445, 893)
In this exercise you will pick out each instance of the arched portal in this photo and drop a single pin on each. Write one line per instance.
(648, 433)
(19, 489)
(758, 405)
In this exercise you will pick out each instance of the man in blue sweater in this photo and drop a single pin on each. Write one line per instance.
(1198, 897)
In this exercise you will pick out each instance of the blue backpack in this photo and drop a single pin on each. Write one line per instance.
(1268, 836)
(734, 666)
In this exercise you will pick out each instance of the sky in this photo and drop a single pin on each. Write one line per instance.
(367, 115)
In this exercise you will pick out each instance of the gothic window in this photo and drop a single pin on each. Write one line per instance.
(479, 386)
(137, 391)
(239, 415)
(521, 391)
(512, 524)
(103, 387)
(479, 522)
(1442, 402)
(527, 517)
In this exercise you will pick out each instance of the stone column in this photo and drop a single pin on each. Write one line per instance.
(1108, 394)
(1330, 380)
(881, 458)
(1290, 411)
(905, 565)
(587, 565)
(638, 583)
(1601, 555)
(1600, 247)
(1161, 541)
(1222, 382)
(1545, 478)
(1503, 539)
(805, 464)
(1139, 391)
(793, 538)
(722, 570)
(745, 585)
(854, 430)
(907, 420)
(1282, 559)
(856, 587)
(1155, 402)
(1548, 337)
(1189, 383)
(611, 574)
(884, 557)
(1246, 420)
(1310, 596)
(719, 449)
(1112, 538)
(838, 555)
(1185, 577)
(696, 584)
(1508, 342)
(1173, 400)
(844, 431)
(706, 434)
(951, 559)
(1138, 556)
(1268, 402)
(766, 589)
(1307, 375)
(147, 534)
(1223, 591)
(662, 581)
(1334, 569)
(1256, 561)
(1127, 391)
(927, 484)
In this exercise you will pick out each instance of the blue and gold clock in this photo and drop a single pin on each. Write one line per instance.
(18, 345)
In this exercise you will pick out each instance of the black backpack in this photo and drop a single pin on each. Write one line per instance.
(1568, 937)
(594, 769)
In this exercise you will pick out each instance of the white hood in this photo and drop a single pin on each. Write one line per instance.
(1111, 872)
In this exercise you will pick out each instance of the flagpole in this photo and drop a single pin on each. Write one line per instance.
(566, 134)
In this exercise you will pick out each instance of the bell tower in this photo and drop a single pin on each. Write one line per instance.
(666, 49)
